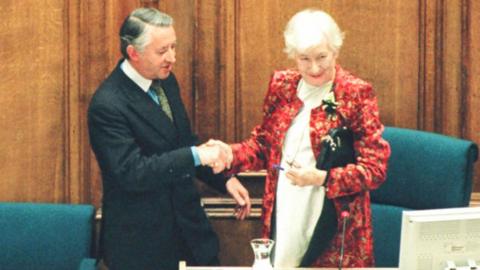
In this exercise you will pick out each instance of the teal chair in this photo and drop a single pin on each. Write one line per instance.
(425, 171)
(39, 236)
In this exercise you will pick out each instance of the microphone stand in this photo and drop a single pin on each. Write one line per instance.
(344, 215)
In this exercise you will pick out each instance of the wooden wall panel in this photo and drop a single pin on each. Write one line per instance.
(422, 58)
(415, 53)
(183, 13)
(90, 62)
(65, 49)
(429, 65)
(471, 72)
(215, 70)
(377, 48)
(235, 249)
(381, 46)
(447, 93)
(32, 103)
(259, 48)
(206, 66)
(441, 67)
(451, 85)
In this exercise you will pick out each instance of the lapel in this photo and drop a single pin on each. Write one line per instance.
(146, 108)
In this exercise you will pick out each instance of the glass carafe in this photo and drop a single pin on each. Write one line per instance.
(262, 248)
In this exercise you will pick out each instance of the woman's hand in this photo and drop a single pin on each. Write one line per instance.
(226, 153)
(300, 176)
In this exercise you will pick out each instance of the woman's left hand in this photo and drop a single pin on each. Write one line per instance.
(301, 176)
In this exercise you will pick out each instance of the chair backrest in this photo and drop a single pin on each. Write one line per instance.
(45, 236)
(425, 171)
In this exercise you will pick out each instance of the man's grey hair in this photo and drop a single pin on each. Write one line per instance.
(137, 25)
(310, 28)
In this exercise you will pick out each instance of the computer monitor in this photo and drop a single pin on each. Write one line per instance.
(434, 239)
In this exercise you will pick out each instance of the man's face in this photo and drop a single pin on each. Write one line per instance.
(157, 59)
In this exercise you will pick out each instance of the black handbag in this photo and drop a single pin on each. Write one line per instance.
(337, 149)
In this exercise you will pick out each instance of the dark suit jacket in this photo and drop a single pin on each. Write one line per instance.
(152, 215)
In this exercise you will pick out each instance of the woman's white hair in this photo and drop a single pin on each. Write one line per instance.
(310, 28)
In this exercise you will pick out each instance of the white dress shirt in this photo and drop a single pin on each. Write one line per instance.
(133, 74)
(298, 208)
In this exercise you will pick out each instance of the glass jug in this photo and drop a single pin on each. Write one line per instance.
(261, 249)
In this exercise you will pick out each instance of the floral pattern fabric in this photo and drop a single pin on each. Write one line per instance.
(348, 186)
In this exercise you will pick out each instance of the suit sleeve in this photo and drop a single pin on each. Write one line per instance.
(216, 181)
(372, 150)
(121, 158)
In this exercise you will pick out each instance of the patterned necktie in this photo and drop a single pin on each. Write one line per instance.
(162, 98)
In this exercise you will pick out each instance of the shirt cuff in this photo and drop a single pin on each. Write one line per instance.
(196, 157)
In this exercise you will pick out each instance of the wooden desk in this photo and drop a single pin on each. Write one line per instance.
(183, 266)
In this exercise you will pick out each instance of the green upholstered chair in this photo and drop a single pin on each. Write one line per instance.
(425, 171)
(45, 236)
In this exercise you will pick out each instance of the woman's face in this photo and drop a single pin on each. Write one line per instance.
(317, 65)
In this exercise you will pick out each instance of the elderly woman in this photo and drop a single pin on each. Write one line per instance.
(300, 108)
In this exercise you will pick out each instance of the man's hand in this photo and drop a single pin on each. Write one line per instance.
(240, 195)
(215, 155)
(300, 176)
(225, 148)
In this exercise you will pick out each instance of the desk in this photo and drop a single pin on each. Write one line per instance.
(183, 266)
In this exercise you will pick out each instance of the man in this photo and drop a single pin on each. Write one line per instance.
(141, 136)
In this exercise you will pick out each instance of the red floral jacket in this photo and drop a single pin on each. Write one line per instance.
(358, 110)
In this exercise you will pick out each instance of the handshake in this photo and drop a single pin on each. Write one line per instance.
(216, 154)
(219, 156)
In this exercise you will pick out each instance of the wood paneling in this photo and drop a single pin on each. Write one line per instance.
(422, 58)
(215, 70)
(471, 72)
(33, 101)
(381, 46)
(183, 13)
(206, 64)
(235, 249)
(418, 56)
(56, 53)
(441, 89)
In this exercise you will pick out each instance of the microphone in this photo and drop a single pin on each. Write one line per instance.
(344, 215)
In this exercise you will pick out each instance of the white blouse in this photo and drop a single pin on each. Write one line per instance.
(297, 208)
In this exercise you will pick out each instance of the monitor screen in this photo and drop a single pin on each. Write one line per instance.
(434, 239)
